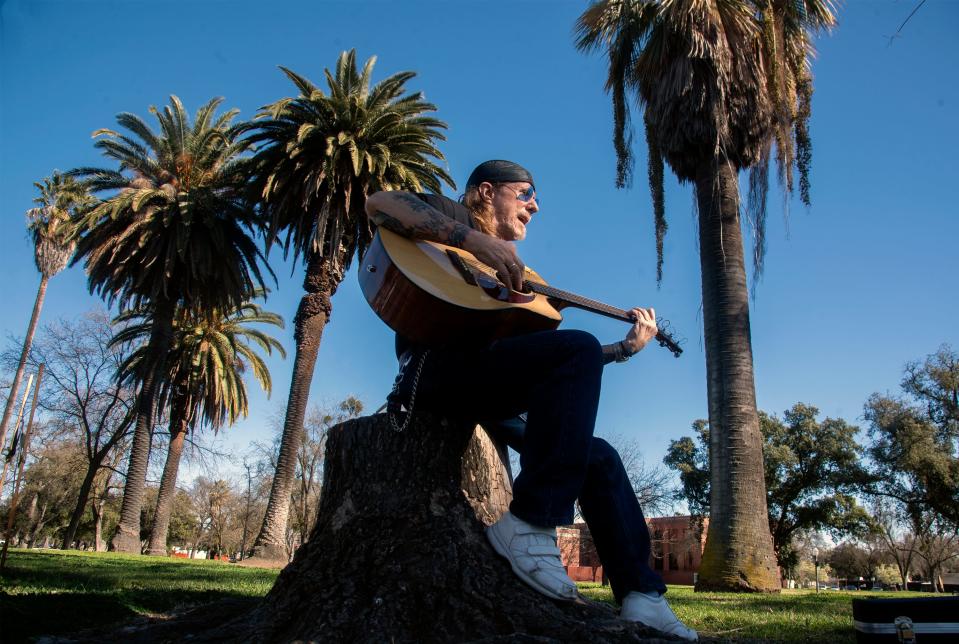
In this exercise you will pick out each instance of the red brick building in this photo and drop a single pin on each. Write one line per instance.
(578, 553)
(677, 549)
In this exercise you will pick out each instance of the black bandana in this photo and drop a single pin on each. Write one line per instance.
(499, 171)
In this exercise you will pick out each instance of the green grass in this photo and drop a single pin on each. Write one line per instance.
(791, 616)
(49, 592)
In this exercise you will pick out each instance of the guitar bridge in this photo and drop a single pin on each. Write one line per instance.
(461, 266)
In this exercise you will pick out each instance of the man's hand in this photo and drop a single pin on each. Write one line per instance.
(643, 330)
(499, 255)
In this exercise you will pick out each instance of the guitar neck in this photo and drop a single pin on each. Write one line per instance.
(572, 299)
(593, 306)
(579, 301)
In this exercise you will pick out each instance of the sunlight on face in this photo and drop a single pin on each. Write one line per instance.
(511, 214)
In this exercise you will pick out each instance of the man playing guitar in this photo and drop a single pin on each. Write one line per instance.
(539, 393)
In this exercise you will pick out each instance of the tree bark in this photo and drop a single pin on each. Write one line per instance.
(21, 367)
(312, 315)
(127, 538)
(739, 554)
(167, 492)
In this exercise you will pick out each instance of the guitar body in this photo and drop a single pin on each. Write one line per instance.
(414, 286)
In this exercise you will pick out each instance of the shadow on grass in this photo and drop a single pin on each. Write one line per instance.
(27, 616)
(64, 593)
(32, 615)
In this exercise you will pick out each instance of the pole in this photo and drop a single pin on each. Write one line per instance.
(816, 564)
(22, 462)
(27, 341)
(246, 516)
(16, 434)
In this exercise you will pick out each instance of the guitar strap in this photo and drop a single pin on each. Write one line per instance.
(394, 402)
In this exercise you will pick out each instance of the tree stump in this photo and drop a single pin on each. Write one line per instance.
(399, 552)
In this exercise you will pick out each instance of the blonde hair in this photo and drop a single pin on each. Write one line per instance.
(481, 209)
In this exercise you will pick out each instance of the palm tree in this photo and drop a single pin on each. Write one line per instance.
(720, 82)
(51, 226)
(208, 358)
(174, 229)
(319, 155)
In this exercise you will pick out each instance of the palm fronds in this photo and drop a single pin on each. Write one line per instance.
(173, 221)
(716, 79)
(52, 222)
(319, 154)
(209, 355)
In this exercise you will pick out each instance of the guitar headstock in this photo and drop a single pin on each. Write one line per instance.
(665, 338)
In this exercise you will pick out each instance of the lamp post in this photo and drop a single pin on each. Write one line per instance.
(815, 561)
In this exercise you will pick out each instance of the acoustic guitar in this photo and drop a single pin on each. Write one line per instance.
(435, 295)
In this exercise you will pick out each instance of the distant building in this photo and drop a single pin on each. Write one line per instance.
(677, 549)
(578, 553)
(950, 582)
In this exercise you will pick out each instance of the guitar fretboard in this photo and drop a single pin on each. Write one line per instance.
(578, 301)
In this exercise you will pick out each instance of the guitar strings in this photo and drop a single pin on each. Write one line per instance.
(545, 289)
(549, 291)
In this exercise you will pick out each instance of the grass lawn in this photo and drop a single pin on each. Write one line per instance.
(791, 616)
(50, 592)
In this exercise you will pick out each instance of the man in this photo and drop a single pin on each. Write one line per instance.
(539, 393)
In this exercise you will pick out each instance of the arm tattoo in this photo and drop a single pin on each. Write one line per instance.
(392, 223)
(432, 225)
(415, 203)
(457, 236)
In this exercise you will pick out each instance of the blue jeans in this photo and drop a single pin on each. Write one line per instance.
(554, 377)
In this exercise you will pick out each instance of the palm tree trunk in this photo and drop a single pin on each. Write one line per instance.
(739, 550)
(161, 518)
(21, 367)
(127, 538)
(311, 317)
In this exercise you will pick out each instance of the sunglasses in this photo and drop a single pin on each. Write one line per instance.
(524, 195)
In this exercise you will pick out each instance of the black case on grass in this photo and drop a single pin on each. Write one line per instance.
(919, 620)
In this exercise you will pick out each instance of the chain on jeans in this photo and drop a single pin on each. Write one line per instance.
(409, 412)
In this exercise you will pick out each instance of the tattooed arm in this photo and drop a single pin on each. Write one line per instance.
(408, 215)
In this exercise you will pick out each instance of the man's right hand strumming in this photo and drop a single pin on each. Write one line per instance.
(499, 255)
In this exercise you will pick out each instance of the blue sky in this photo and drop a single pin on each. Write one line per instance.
(854, 287)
